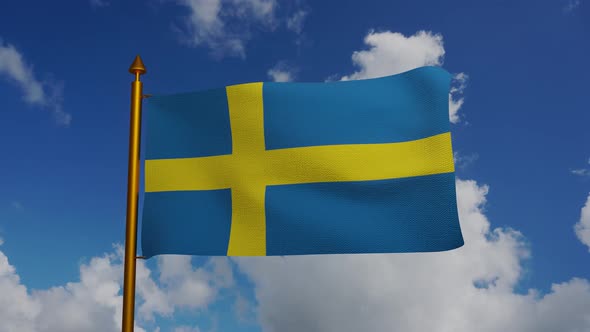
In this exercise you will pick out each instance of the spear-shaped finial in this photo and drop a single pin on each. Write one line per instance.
(137, 66)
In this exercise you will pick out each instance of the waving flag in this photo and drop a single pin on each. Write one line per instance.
(302, 168)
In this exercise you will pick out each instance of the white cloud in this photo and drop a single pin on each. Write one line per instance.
(17, 308)
(222, 273)
(467, 289)
(582, 228)
(295, 22)
(456, 99)
(185, 286)
(392, 53)
(91, 304)
(13, 66)
(282, 72)
(94, 303)
(262, 10)
(278, 75)
(155, 299)
(48, 95)
(206, 27)
(223, 26)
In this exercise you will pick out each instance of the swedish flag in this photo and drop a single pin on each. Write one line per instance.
(302, 168)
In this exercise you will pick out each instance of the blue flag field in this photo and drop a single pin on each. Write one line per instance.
(302, 168)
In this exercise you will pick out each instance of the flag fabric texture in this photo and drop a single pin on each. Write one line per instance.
(302, 168)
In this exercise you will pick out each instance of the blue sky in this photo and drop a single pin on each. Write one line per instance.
(520, 133)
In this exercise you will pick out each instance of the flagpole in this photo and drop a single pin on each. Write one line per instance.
(137, 68)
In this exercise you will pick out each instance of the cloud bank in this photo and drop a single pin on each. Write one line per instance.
(468, 289)
(94, 303)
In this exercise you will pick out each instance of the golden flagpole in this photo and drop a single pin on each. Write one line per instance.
(137, 68)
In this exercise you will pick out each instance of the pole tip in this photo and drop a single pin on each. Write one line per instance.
(137, 66)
